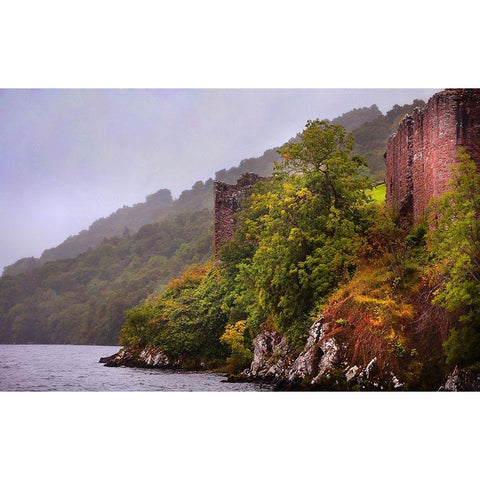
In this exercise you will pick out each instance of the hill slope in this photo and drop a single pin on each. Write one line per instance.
(83, 300)
(125, 219)
(160, 205)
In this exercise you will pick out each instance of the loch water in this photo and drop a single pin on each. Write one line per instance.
(76, 368)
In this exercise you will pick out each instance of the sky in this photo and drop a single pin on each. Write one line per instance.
(70, 156)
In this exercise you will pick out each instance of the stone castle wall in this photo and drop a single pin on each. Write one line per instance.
(420, 154)
(227, 200)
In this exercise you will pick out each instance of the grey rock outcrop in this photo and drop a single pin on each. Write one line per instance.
(321, 365)
(275, 361)
(271, 358)
(148, 357)
(318, 357)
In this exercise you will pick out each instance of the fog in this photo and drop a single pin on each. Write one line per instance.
(68, 157)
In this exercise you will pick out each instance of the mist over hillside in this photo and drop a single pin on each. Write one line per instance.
(160, 205)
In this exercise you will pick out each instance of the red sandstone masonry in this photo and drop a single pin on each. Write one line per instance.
(420, 154)
(228, 199)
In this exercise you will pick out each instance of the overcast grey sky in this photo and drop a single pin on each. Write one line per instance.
(68, 157)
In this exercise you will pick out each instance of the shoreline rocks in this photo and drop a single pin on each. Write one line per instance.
(321, 365)
(148, 357)
(274, 361)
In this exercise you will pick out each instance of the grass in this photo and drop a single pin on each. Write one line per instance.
(374, 322)
(378, 193)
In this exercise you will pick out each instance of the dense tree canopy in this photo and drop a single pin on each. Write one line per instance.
(296, 239)
(83, 300)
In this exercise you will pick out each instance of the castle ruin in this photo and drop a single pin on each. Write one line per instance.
(227, 200)
(420, 154)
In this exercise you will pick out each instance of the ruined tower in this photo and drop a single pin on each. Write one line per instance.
(419, 155)
(227, 200)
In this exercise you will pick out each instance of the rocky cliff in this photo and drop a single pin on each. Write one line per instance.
(324, 364)
(321, 365)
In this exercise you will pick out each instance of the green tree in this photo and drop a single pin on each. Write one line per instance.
(324, 153)
(234, 337)
(301, 231)
(456, 243)
(134, 332)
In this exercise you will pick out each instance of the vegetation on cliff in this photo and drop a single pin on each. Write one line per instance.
(314, 240)
(384, 311)
(413, 303)
(456, 245)
(298, 237)
(186, 321)
(298, 234)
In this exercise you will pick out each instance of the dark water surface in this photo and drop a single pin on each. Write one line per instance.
(74, 368)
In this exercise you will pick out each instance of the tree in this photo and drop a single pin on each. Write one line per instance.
(240, 356)
(324, 153)
(456, 243)
(303, 227)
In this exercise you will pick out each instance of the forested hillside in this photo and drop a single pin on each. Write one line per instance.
(371, 137)
(357, 117)
(83, 300)
(124, 220)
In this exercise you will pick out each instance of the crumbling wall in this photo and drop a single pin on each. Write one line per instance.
(420, 154)
(227, 200)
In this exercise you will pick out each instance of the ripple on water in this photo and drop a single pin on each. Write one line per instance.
(76, 368)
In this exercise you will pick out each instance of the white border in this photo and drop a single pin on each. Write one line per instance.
(241, 44)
